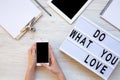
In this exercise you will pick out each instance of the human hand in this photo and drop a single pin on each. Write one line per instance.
(54, 66)
(31, 63)
(32, 57)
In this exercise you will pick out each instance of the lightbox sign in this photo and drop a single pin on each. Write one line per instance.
(93, 47)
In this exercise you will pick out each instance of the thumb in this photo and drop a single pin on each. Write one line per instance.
(46, 66)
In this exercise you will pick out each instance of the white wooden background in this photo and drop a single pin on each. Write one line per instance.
(13, 53)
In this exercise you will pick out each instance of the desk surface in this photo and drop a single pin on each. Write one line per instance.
(13, 54)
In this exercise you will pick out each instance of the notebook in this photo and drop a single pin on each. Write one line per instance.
(111, 13)
(93, 47)
(16, 14)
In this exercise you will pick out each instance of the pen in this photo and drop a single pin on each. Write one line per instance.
(43, 8)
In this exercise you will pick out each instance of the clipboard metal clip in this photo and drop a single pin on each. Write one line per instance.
(29, 26)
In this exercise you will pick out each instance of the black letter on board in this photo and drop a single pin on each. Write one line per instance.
(89, 43)
(73, 33)
(86, 59)
(108, 57)
(104, 52)
(103, 69)
(98, 65)
(78, 37)
(102, 37)
(83, 41)
(114, 61)
(92, 62)
(96, 34)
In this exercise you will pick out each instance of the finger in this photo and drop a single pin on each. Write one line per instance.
(51, 54)
(46, 66)
(34, 44)
(50, 49)
(34, 49)
(29, 51)
(50, 61)
(52, 57)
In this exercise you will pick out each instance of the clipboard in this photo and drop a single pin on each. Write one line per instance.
(28, 26)
(18, 16)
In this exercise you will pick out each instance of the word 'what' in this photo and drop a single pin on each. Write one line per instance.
(80, 38)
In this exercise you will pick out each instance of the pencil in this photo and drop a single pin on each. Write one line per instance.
(43, 8)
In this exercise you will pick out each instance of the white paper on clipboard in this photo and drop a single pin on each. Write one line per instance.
(15, 15)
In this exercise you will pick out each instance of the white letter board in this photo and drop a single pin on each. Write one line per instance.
(93, 47)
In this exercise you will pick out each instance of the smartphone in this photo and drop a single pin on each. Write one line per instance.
(42, 53)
